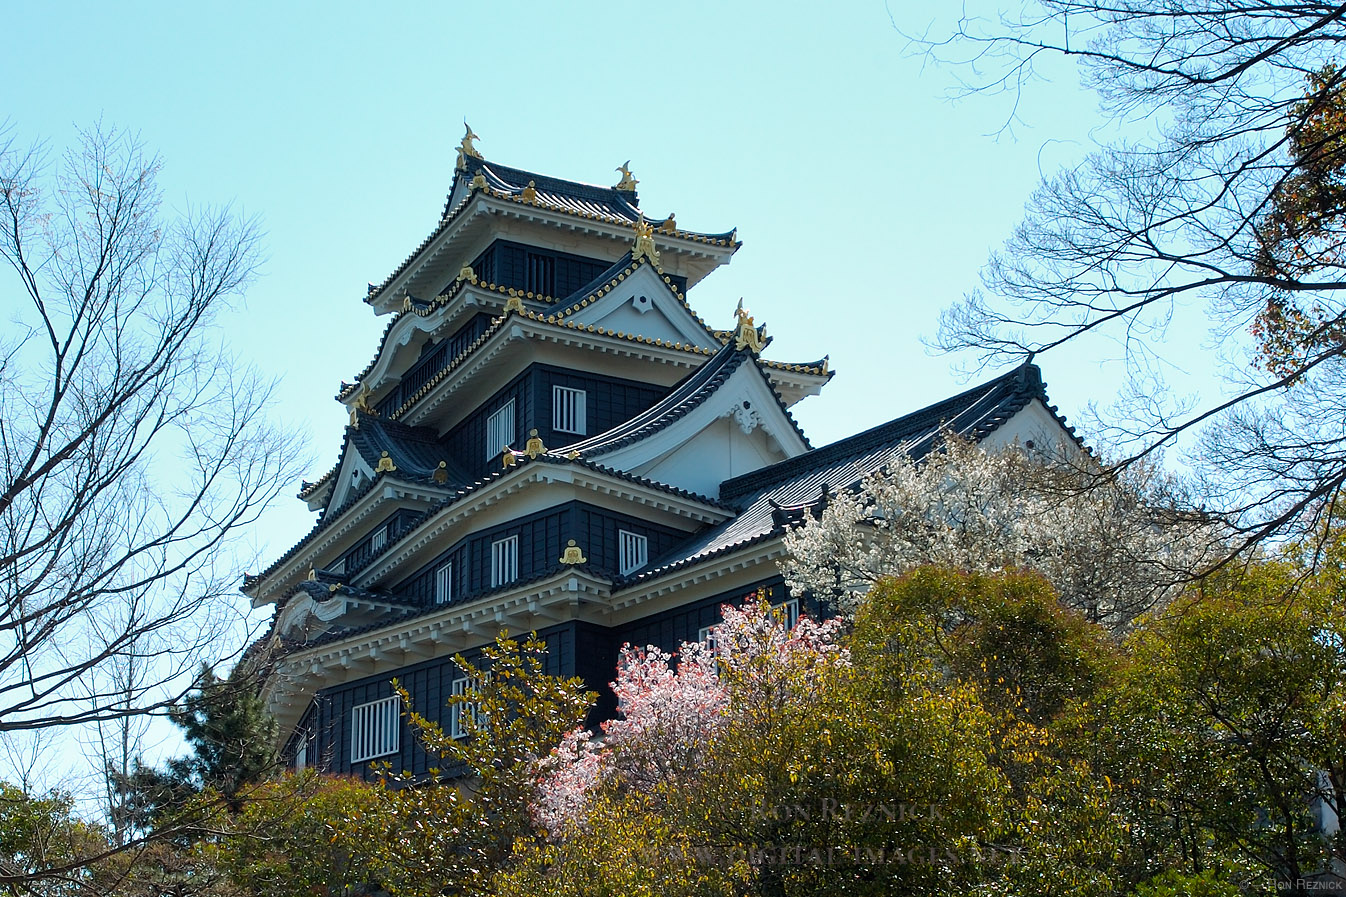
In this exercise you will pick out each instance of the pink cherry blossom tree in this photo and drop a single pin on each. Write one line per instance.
(672, 706)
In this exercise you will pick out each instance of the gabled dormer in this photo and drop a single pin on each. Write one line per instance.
(723, 421)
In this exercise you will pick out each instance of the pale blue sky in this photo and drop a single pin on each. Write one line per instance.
(866, 201)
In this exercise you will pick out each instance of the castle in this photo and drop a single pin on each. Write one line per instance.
(549, 438)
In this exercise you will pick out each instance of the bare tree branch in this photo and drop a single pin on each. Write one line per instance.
(132, 449)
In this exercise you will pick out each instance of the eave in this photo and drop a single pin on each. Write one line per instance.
(440, 257)
(489, 350)
(526, 475)
(438, 634)
(331, 534)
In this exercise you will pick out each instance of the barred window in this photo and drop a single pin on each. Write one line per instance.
(634, 550)
(374, 729)
(500, 430)
(504, 561)
(462, 714)
(789, 612)
(379, 539)
(301, 752)
(568, 410)
(444, 584)
(338, 568)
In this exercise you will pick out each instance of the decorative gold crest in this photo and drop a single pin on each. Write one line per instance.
(534, 447)
(385, 464)
(573, 554)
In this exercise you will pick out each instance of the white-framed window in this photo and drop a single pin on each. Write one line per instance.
(301, 752)
(504, 561)
(462, 714)
(634, 551)
(500, 430)
(706, 636)
(568, 410)
(379, 539)
(375, 729)
(444, 584)
(789, 612)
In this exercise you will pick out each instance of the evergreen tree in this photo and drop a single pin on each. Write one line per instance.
(232, 741)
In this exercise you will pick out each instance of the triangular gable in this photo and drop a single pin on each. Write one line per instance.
(352, 470)
(723, 421)
(644, 304)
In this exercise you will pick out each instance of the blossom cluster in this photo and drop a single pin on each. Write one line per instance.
(1113, 547)
(671, 706)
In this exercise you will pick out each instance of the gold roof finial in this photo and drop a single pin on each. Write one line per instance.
(534, 447)
(441, 474)
(466, 273)
(670, 225)
(573, 554)
(466, 147)
(362, 406)
(530, 192)
(478, 181)
(746, 336)
(644, 247)
(574, 455)
(507, 459)
(514, 303)
(628, 181)
(312, 574)
(385, 464)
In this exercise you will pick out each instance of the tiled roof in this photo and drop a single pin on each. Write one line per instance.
(464, 489)
(416, 451)
(571, 197)
(762, 494)
(698, 386)
(414, 611)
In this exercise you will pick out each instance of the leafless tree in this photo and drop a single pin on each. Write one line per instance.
(1227, 197)
(132, 449)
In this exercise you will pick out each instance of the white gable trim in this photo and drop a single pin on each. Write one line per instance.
(745, 399)
(677, 363)
(639, 305)
(388, 368)
(352, 473)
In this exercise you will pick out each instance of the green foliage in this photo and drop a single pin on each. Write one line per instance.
(44, 847)
(1224, 723)
(305, 834)
(970, 736)
(451, 836)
